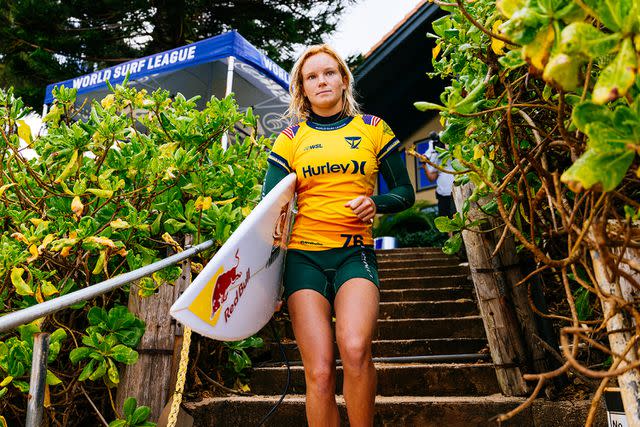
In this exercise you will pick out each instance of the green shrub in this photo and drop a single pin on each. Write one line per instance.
(103, 196)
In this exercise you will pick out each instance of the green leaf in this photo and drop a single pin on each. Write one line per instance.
(509, 7)
(23, 386)
(172, 226)
(585, 39)
(428, 106)
(446, 225)
(28, 331)
(523, 26)
(612, 13)
(616, 79)
(118, 423)
(88, 369)
(77, 354)
(97, 315)
(123, 354)
(112, 372)
(52, 379)
(130, 405)
(22, 287)
(512, 60)
(563, 71)
(240, 360)
(453, 244)
(58, 335)
(587, 113)
(100, 371)
(48, 288)
(140, 415)
(601, 169)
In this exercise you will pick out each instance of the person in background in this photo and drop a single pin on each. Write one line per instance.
(444, 181)
(336, 153)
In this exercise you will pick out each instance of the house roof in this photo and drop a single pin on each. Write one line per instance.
(393, 75)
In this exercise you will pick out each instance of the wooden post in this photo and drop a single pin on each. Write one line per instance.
(150, 379)
(621, 327)
(506, 314)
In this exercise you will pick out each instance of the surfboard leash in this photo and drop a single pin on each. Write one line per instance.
(286, 362)
(182, 374)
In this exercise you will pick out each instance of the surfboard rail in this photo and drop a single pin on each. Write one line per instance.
(236, 293)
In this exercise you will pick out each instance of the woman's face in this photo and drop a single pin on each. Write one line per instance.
(323, 84)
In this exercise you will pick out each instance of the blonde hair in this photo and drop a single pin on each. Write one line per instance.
(299, 106)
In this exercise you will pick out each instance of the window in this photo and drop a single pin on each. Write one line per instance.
(422, 182)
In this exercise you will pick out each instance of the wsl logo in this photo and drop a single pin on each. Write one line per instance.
(353, 141)
(352, 167)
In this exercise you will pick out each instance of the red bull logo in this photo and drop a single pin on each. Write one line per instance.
(226, 281)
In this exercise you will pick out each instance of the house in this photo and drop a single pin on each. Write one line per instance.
(393, 77)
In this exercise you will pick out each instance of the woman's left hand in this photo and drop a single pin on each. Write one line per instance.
(363, 207)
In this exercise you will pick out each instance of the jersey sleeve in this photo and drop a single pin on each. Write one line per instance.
(387, 141)
(281, 154)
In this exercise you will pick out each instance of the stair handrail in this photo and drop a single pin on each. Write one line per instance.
(26, 315)
(41, 341)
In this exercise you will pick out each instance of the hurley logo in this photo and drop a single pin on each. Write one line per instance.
(353, 141)
(353, 167)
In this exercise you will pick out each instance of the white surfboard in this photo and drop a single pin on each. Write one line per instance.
(236, 293)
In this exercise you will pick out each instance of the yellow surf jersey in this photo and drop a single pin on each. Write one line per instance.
(334, 164)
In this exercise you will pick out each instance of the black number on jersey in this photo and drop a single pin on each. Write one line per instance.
(353, 239)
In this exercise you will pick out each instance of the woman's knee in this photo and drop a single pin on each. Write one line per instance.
(321, 378)
(355, 352)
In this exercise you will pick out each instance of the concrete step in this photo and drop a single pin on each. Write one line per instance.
(412, 282)
(427, 309)
(397, 348)
(410, 251)
(438, 294)
(418, 379)
(423, 328)
(438, 270)
(417, 262)
(444, 327)
(407, 411)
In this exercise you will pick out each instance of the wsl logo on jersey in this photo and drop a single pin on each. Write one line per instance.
(353, 141)
(352, 167)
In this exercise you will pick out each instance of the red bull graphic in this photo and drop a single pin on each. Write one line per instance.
(225, 282)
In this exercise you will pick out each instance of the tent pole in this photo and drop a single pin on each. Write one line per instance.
(225, 136)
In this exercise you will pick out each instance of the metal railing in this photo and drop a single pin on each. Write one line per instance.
(41, 341)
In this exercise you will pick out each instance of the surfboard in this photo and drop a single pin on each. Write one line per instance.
(236, 293)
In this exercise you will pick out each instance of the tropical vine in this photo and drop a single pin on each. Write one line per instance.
(543, 117)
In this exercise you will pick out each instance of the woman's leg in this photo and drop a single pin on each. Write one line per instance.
(311, 318)
(356, 307)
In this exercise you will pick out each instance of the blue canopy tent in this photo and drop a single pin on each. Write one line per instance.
(215, 66)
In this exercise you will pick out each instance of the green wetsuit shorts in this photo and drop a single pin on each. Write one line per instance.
(325, 271)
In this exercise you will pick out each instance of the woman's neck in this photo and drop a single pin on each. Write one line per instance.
(316, 118)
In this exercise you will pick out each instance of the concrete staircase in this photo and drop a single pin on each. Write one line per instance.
(427, 309)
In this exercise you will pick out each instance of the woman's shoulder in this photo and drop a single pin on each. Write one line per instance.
(370, 119)
(291, 131)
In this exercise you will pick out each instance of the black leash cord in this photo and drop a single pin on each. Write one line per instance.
(286, 388)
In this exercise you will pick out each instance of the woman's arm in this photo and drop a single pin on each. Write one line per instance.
(401, 195)
(274, 175)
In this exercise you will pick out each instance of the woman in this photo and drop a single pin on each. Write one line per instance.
(336, 153)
